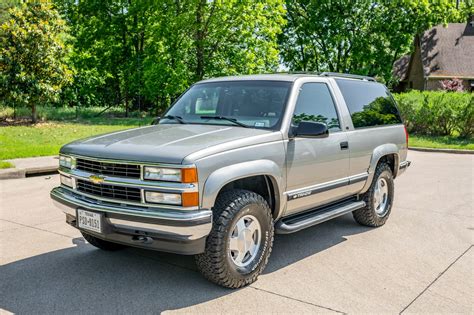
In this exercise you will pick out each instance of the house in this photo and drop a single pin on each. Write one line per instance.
(443, 52)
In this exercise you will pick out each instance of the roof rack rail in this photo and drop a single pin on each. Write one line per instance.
(347, 75)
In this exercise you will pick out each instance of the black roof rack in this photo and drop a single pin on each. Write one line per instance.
(347, 75)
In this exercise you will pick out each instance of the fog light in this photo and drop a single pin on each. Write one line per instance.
(166, 198)
(66, 181)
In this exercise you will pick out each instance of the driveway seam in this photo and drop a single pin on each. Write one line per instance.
(436, 279)
(36, 228)
(298, 300)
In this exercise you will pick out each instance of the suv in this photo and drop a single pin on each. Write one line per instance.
(232, 162)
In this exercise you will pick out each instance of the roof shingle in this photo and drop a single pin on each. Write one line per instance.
(448, 51)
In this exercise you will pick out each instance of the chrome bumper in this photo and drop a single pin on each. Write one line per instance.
(403, 167)
(181, 226)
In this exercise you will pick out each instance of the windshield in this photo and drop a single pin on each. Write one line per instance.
(256, 104)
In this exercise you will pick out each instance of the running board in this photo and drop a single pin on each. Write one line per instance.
(307, 219)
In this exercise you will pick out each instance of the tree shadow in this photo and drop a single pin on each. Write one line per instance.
(82, 279)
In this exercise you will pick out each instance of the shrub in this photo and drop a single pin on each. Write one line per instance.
(437, 112)
(64, 113)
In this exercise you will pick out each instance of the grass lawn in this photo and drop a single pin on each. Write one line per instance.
(46, 138)
(443, 142)
(5, 164)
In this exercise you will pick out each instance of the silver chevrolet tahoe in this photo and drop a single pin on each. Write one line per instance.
(232, 162)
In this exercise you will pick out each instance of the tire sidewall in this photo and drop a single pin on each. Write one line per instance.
(387, 175)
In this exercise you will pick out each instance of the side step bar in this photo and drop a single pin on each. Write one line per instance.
(307, 219)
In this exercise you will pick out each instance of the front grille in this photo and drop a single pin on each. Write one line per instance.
(105, 168)
(109, 191)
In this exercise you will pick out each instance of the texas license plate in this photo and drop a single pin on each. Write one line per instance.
(89, 220)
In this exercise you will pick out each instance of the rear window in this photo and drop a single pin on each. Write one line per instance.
(369, 103)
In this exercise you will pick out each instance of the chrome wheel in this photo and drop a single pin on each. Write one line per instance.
(244, 241)
(381, 197)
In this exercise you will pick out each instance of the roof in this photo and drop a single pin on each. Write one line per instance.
(288, 77)
(256, 77)
(448, 51)
(400, 67)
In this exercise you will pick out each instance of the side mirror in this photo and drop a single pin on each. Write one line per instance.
(156, 120)
(311, 129)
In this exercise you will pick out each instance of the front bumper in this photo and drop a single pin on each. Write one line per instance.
(182, 232)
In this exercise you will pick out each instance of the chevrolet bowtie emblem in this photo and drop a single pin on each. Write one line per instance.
(96, 179)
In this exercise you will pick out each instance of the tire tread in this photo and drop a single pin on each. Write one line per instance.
(212, 263)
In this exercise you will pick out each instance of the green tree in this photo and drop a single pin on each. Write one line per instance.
(148, 52)
(32, 64)
(360, 36)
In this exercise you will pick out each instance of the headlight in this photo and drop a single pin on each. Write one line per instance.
(167, 174)
(65, 161)
(185, 175)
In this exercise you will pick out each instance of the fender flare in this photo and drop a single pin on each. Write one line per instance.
(220, 177)
(377, 154)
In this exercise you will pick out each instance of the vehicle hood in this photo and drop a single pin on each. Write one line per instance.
(166, 143)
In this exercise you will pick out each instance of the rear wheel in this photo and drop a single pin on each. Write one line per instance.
(379, 198)
(99, 243)
(240, 243)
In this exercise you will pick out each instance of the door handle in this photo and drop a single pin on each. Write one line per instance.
(344, 145)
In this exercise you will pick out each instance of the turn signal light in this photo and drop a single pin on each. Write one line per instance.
(190, 199)
(189, 175)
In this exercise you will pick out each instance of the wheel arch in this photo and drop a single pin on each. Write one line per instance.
(387, 152)
(261, 176)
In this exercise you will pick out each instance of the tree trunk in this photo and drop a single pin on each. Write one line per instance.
(33, 114)
(126, 103)
(199, 37)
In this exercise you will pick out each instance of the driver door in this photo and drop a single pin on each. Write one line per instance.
(317, 168)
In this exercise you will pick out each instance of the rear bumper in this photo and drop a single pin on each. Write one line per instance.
(182, 232)
(403, 167)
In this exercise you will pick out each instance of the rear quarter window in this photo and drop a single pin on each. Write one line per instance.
(369, 103)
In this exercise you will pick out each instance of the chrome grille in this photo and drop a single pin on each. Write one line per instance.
(109, 191)
(106, 168)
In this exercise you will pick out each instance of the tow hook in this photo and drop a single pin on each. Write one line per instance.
(142, 239)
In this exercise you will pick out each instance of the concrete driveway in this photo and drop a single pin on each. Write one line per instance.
(421, 261)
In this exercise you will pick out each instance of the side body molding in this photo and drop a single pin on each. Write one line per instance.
(220, 177)
(379, 152)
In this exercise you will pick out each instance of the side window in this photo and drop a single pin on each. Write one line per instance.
(315, 103)
(369, 103)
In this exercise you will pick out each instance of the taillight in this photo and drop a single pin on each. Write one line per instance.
(406, 134)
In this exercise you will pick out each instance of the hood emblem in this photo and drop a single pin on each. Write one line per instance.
(96, 179)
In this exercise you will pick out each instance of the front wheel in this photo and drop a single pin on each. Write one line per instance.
(240, 243)
(379, 198)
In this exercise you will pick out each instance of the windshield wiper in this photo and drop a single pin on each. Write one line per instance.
(177, 118)
(232, 120)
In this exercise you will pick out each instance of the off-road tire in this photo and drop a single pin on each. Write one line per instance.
(99, 243)
(367, 215)
(215, 263)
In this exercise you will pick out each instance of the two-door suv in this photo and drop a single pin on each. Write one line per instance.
(233, 161)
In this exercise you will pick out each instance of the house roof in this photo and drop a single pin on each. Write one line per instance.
(446, 52)
(400, 67)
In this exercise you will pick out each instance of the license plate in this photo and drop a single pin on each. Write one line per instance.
(89, 221)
